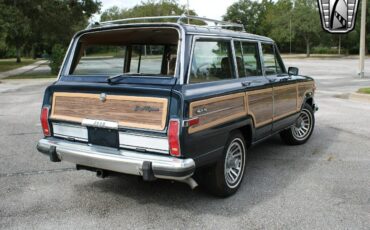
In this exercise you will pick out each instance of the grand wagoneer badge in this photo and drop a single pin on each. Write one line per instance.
(146, 108)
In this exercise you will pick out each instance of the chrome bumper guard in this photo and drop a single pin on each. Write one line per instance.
(123, 161)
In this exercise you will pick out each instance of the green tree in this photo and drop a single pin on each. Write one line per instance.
(56, 58)
(17, 29)
(277, 22)
(145, 9)
(249, 13)
(306, 22)
(39, 24)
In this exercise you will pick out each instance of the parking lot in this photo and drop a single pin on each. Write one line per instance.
(323, 184)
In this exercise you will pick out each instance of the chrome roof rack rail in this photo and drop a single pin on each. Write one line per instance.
(179, 19)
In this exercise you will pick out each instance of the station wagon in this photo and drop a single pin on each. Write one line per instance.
(175, 98)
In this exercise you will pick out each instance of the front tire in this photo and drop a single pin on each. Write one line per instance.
(302, 129)
(224, 178)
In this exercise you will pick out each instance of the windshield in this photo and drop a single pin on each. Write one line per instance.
(137, 52)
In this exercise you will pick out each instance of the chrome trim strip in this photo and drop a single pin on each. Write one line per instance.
(124, 161)
(129, 140)
(70, 131)
(149, 143)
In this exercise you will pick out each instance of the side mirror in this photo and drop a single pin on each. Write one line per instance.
(293, 71)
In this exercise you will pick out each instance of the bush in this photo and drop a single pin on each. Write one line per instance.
(325, 50)
(56, 58)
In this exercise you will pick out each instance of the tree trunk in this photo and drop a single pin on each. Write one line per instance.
(18, 53)
(307, 48)
(339, 45)
(33, 52)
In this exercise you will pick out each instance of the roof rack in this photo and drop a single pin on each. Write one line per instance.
(179, 19)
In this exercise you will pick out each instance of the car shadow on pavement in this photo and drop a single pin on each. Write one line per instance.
(272, 167)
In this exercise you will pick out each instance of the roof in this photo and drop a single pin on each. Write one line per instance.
(220, 28)
(201, 30)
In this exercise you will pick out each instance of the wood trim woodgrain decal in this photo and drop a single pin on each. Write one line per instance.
(257, 103)
(285, 100)
(128, 111)
(260, 106)
(217, 110)
(303, 89)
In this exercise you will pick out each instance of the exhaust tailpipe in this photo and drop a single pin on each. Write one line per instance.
(190, 181)
(101, 173)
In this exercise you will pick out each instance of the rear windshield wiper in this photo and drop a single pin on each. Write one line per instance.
(116, 78)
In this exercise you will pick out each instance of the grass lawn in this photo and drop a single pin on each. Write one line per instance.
(9, 64)
(364, 90)
(32, 76)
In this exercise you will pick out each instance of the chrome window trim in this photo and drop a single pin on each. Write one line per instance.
(66, 58)
(262, 59)
(66, 66)
(198, 37)
(241, 36)
(257, 42)
(236, 71)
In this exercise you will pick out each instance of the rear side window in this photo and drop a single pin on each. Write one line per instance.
(247, 59)
(212, 61)
(272, 64)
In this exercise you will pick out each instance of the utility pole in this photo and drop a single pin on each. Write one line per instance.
(290, 33)
(361, 71)
(187, 9)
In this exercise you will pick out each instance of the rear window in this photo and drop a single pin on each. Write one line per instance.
(100, 59)
(149, 52)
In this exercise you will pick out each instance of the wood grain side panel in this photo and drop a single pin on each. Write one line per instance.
(137, 112)
(285, 101)
(303, 89)
(217, 110)
(260, 106)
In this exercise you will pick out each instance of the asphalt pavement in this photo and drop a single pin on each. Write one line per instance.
(323, 184)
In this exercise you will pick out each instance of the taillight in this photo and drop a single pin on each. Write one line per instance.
(44, 121)
(173, 137)
(191, 122)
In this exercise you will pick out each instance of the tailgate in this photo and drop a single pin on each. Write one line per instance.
(121, 116)
(143, 112)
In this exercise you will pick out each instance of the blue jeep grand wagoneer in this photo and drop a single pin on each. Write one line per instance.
(161, 98)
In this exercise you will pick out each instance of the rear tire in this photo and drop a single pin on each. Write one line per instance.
(224, 178)
(302, 129)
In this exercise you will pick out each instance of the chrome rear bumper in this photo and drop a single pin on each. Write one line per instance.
(123, 161)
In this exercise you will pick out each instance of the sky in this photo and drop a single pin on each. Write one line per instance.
(214, 9)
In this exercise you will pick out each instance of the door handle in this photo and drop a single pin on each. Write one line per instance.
(246, 83)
